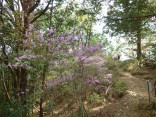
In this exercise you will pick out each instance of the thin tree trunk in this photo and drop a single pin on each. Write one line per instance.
(45, 67)
(139, 46)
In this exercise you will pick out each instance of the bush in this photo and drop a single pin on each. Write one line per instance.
(129, 65)
(147, 106)
(119, 89)
(94, 97)
(13, 109)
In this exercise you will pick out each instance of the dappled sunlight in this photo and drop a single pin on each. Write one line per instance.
(136, 86)
(136, 94)
(97, 108)
(60, 109)
(132, 93)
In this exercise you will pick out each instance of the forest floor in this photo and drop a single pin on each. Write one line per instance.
(127, 106)
(136, 93)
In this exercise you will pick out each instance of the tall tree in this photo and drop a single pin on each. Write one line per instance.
(129, 18)
(15, 18)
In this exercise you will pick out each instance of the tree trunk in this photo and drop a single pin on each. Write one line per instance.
(41, 107)
(139, 46)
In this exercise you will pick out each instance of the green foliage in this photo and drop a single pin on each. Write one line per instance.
(80, 112)
(119, 89)
(50, 104)
(66, 90)
(129, 65)
(13, 108)
(122, 16)
(131, 19)
(94, 97)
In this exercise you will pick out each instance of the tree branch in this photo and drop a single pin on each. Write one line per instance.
(34, 6)
(133, 18)
(11, 4)
(42, 12)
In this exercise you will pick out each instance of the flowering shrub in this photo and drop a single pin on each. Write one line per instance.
(55, 60)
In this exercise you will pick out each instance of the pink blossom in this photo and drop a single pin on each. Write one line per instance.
(108, 75)
(100, 63)
(93, 80)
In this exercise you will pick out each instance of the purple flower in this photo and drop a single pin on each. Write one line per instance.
(38, 37)
(70, 37)
(108, 75)
(52, 40)
(16, 65)
(51, 31)
(33, 44)
(91, 48)
(29, 33)
(48, 45)
(93, 80)
(80, 53)
(30, 26)
(22, 57)
(61, 38)
(81, 46)
(28, 57)
(87, 48)
(100, 63)
(25, 41)
(42, 39)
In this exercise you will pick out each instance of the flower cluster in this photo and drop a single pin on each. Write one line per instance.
(56, 47)
(38, 41)
(58, 81)
(108, 75)
(26, 57)
(93, 80)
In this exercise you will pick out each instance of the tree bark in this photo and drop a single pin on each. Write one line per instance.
(139, 46)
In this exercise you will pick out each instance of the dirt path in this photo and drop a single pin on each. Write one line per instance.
(127, 106)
